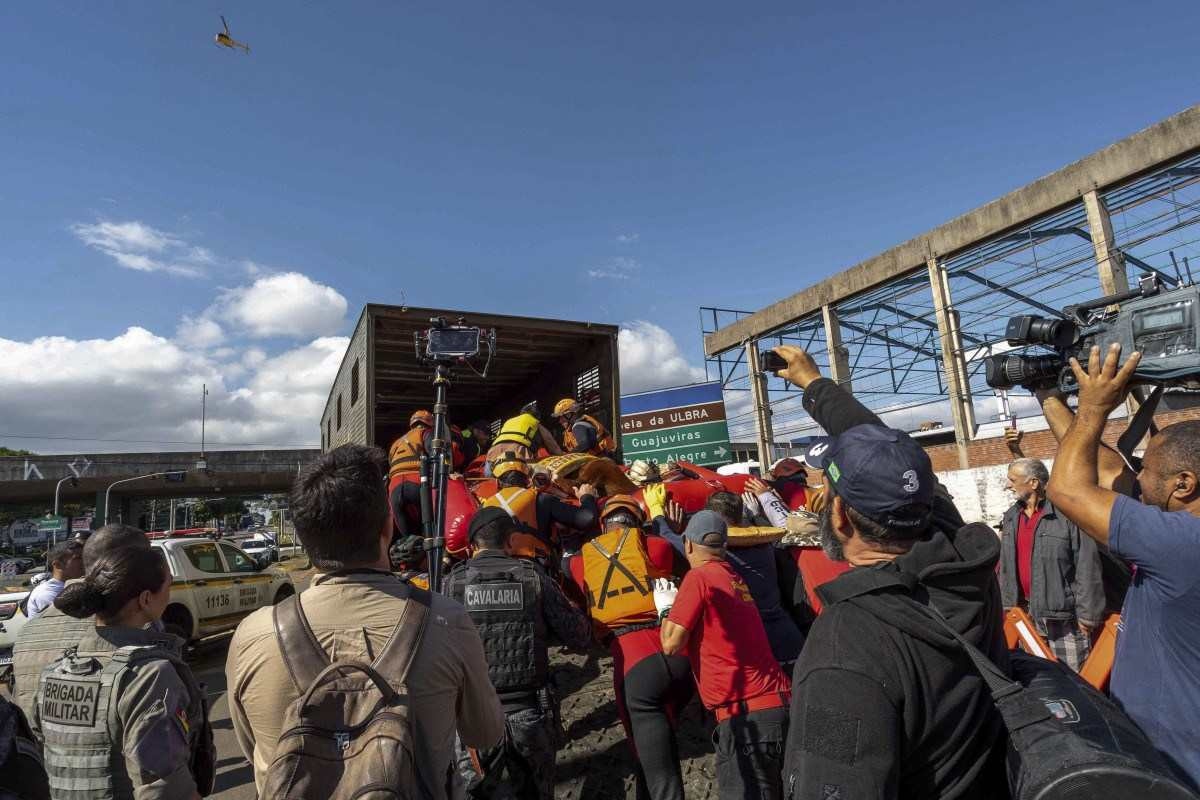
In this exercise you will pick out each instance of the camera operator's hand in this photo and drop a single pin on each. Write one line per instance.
(1103, 386)
(801, 369)
(585, 490)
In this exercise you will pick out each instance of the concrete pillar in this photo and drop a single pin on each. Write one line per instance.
(1109, 261)
(954, 364)
(762, 407)
(100, 508)
(839, 356)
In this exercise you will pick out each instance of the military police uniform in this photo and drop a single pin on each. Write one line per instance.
(120, 716)
(514, 606)
(41, 641)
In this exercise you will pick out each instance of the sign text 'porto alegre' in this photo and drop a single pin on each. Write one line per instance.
(686, 424)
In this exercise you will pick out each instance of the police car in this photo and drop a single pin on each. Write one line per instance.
(12, 619)
(214, 585)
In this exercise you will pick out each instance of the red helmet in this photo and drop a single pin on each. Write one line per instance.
(421, 417)
(786, 467)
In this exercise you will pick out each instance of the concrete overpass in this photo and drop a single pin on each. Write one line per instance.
(31, 479)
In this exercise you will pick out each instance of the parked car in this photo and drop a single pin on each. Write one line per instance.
(11, 567)
(12, 619)
(261, 549)
(215, 584)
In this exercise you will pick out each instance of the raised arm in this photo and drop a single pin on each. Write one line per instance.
(834, 408)
(1074, 486)
(1110, 467)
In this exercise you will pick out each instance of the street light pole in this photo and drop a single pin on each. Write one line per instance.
(57, 486)
(107, 509)
(203, 417)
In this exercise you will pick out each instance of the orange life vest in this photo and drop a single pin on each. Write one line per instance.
(521, 504)
(404, 456)
(604, 440)
(620, 579)
(418, 579)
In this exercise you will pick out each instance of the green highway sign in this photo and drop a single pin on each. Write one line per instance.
(686, 424)
(52, 525)
(687, 436)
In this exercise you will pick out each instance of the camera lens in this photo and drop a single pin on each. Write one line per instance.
(1007, 371)
(1030, 329)
(1043, 330)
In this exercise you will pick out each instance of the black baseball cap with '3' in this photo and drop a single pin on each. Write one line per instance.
(880, 472)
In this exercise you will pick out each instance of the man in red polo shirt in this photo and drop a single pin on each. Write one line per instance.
(713, 615)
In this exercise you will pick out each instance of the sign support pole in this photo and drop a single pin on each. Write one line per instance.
(762, 408)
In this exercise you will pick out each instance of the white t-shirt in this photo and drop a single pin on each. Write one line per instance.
(42, 596)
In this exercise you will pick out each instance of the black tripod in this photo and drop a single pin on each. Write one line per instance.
(435, 471)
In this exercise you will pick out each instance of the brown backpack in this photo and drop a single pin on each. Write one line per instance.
(349, 734)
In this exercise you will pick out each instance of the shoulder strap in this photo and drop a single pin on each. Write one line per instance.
(998, 683)
(401, 646)
(302, 653)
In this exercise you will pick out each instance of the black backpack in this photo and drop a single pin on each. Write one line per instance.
(1066, 740)
(22, 773)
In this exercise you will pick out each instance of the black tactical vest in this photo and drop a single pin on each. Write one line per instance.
(506, 606)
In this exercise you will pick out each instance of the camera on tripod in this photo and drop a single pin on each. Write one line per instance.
(1160, 324)
(442, 343)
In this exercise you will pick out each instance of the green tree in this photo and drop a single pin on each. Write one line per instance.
(5, 451)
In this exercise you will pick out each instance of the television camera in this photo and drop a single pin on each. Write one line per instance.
(1161, 324)
(442, 343)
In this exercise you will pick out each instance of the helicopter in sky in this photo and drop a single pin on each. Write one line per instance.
(225, 40)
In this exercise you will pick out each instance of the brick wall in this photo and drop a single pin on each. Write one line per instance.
(1035, 444)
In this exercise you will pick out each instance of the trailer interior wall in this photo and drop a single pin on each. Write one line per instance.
(536, 359)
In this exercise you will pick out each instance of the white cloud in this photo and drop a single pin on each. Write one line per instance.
(145, 389)
(650, 359)
(628, 238)
(620, 268)
(253, 357)
(287, 304)
(253, 268)
(138, 246)
(199, 332)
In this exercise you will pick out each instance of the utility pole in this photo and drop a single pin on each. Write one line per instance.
(764, 433)
(202, 464)
(171, 524)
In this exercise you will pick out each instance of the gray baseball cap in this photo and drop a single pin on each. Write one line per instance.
(707, 528)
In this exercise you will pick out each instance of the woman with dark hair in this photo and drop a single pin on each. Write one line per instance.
(120, 713)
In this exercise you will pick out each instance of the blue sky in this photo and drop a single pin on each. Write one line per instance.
(611, 162)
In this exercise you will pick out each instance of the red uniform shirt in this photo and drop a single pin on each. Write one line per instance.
(727, 642)
(1026, 528)
(793, 494)
(816, 569)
